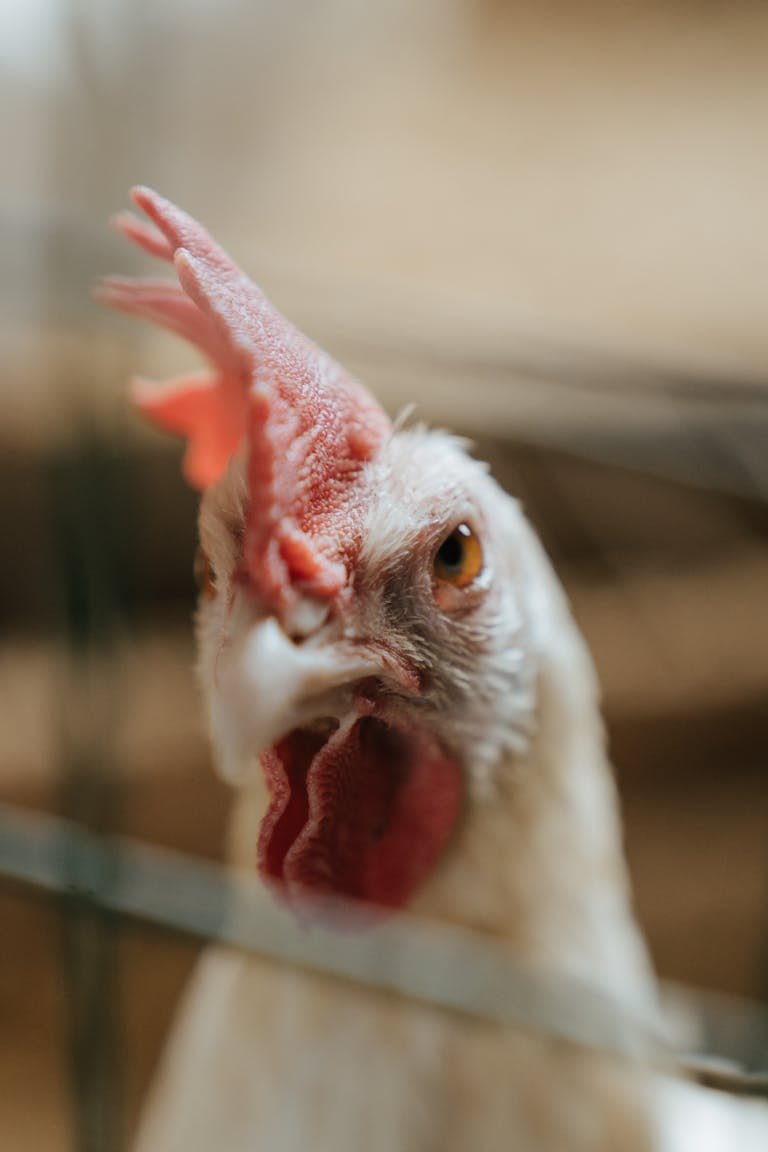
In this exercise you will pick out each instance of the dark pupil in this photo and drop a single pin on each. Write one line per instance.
(451, 551)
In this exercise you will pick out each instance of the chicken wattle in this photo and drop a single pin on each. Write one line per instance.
(362, 811)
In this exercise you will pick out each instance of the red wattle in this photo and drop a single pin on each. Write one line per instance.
(364, 814)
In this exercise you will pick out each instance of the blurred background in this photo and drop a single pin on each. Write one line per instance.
(542, 223)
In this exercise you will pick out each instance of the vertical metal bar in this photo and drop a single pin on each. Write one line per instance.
(84, 524)
(80, 485)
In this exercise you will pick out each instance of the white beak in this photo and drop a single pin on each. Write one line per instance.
(266, 685)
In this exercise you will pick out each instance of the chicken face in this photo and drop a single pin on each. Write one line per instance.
(363, 622)
(375, 717)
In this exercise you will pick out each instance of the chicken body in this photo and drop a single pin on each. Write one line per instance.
(285, 1061)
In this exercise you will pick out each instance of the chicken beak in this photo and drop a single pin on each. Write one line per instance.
(266, 685)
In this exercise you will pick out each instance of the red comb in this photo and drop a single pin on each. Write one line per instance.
(309, 427)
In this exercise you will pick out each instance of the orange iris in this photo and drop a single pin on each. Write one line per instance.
(459, 559)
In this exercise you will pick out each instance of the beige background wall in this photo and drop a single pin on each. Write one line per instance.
(466, 178)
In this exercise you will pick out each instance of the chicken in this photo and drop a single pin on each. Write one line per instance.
(396, 686)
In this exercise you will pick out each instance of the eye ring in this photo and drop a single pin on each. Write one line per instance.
(458, 561)
(205, 577)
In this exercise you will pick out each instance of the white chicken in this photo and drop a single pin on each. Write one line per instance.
(395, 682)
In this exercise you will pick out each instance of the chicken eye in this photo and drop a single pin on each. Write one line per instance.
(459, 559)
(204, 575)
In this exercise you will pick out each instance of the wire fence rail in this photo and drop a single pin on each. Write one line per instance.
(448, 968)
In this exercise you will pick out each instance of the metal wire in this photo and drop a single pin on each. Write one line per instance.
(451, 969)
